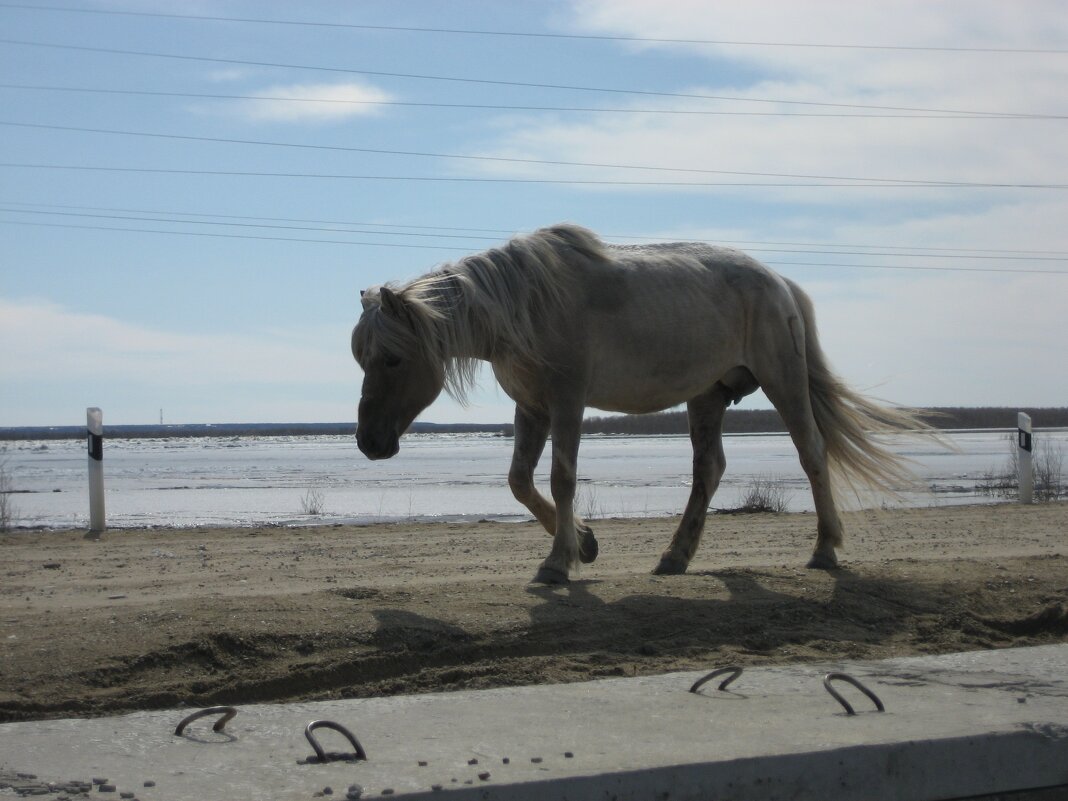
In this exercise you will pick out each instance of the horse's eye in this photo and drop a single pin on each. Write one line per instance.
(392, 361)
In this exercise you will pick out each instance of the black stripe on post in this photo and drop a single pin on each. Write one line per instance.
(96, 447)
(1025, 439)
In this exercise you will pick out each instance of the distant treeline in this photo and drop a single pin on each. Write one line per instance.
(736, 421)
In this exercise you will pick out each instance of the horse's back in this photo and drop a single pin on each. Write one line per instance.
(684, 265)
(702, 289)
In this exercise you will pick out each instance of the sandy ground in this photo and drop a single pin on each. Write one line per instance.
(157, 618)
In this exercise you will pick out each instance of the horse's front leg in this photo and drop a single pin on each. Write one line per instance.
(565, 553)
(531, 432)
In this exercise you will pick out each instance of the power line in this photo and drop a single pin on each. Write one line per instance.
(916, 267)
(304, 240)
(495, 159)
(540, 35)
(492, 82)
(502, 232)
(214, 235)
(825, 184)
(270, 225)
(498, 231)
(508, 107)
(760, 248)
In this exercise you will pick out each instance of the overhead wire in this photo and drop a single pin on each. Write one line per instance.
(489, 81)
(902, 112)
(515, 107)
(539, 34)
(814, 184)
(308, 240)
(524, 161)
(502, 232)
(473, 233)
(360, 228)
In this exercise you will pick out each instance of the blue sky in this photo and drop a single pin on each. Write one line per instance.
(189, 207)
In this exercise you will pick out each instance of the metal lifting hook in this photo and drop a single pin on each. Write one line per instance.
(850, 680)
(227, 713)
(733, 670)
(324, 756)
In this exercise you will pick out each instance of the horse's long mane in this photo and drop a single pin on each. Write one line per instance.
(483, 305)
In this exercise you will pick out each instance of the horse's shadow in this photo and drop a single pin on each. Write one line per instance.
(591, 632)
(399, 629)
(860, 611)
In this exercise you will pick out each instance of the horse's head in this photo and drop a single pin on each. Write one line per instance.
(401, 373)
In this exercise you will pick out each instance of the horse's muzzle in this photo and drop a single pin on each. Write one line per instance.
(377, 447)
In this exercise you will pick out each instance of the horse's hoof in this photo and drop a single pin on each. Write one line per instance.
(550, 576)
(588, 548)
(822, 561)
(670, 567)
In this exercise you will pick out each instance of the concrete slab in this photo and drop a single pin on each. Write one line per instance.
(955, 726)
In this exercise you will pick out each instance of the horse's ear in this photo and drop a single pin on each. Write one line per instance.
(391, 304)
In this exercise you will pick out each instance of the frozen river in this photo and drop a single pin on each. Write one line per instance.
(257, 480)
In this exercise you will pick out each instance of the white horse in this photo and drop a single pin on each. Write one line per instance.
(568, 321)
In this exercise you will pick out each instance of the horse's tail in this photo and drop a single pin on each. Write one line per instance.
(851, 423)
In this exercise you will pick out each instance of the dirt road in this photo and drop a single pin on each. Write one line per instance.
(156, 618)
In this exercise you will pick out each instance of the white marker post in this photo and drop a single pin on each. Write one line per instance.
(94, 422)
(1027, 476)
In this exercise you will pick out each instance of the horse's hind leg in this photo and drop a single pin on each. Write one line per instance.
(792, 401)
(531, 432)
(706, 434)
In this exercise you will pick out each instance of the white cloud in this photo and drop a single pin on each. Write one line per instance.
(42, 340)
(999, 151)
(915, 23)
(937, 340)
(56, 361)
(316, 102)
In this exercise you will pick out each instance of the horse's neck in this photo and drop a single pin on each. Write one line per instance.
(465, 333)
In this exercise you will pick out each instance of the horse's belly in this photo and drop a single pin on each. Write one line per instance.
(663, 350)
(631, 391)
